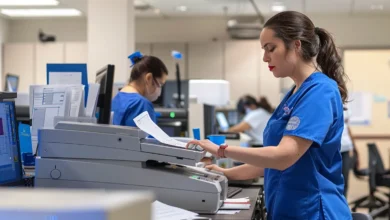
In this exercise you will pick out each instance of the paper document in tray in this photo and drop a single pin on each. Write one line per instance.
(161, 211)
(145, 123)
(236, 204)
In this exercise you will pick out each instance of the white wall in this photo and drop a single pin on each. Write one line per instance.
(363, 30)
(4, 26)
(65, 29)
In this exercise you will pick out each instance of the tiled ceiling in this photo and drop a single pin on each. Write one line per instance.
(244, 7)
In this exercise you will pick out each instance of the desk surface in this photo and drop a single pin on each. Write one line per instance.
(252, 192)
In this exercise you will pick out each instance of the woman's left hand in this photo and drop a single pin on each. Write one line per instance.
(206, 145)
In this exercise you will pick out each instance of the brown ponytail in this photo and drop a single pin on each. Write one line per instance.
(329, 61)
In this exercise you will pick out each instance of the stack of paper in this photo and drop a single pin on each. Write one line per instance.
(237, 204)
(161, 211)
(227, 212)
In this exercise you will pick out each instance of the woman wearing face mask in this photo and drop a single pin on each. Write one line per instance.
(256, 117)
(147, 77)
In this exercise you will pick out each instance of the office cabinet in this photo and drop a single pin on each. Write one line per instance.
(205, 60)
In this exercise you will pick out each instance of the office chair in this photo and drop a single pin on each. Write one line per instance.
(361, 216)
(378, 177)
(375, 172)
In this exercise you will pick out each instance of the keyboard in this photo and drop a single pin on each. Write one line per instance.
(232, 191)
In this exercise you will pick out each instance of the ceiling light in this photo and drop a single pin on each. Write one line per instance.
(181, 8)
(28, 2)
(278, 7)
(140, 3)
(376, 7)
(41, 12)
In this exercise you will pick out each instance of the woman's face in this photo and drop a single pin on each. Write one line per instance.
(153, 86)
(281, 60)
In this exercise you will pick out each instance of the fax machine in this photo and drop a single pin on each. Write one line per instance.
(82, 155)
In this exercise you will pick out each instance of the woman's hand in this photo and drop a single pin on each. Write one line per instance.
(215, 168)
(206, 145)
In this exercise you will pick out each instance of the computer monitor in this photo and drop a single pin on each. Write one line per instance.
(11, 83)
(10, 163)
(222, 121)
(105, 77)
(233, 117)
(169, 94)
(210, 126)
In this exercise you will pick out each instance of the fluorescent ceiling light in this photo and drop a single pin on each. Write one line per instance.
(376, 7)
(278, 7)
(41, 12)
(28, 2)
(139, 3)
(181, 8)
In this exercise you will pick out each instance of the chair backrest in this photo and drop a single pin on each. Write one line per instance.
(361, 216)
(373, 155)
(375, 165)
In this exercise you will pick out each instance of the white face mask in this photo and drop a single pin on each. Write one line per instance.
(153, 96)
(247, 110)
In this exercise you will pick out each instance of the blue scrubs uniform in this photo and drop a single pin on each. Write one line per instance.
(127, 106)
(313, 187)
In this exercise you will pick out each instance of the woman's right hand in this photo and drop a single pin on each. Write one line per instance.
(215, 168)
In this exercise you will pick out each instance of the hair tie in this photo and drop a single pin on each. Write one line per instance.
(317, 30)
(135, 57)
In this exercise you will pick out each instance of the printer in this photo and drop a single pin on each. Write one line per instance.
(86, 155)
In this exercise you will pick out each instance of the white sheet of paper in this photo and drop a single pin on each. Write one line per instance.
(48, 101)
(236, 204)
(360, 108)
(93, 94)
(64, 78)
(145, 123)
(77, 97)
(161, 211)
(227, 212)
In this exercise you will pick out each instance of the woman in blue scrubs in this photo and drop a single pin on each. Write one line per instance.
(301, 161)
(147, 77)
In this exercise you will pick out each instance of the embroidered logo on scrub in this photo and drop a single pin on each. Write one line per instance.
(293, 123)
(286, 109)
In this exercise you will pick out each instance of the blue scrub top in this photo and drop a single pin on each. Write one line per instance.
(127, 106)
(313, 187)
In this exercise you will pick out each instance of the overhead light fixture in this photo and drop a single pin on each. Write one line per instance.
(181, 8)
(65, 12)
(157, 11)
(278, 7)
(376, 7)
(28, 2)
(140, 3)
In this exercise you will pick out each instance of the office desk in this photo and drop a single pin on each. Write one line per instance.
(252, 192)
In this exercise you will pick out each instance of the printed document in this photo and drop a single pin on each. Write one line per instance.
(145, 123)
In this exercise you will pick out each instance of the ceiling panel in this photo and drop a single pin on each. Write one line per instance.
(244, 7)
(371, 6)
(328, 6)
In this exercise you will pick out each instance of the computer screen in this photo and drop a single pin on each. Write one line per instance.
(105, 77)
(222, 121)
(10, 163)
(233, 117)
(11, 83)
(169, 94)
